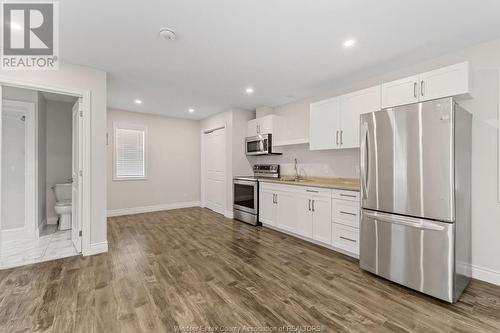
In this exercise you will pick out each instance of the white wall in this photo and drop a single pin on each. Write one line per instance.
(59, 147)
(485, 59)
(173, 175)
(323, 164)
(81, 78)
(235, 122)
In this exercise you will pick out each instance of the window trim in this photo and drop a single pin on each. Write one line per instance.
(130, 126)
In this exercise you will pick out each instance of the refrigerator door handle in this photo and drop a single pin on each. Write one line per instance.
(364, 160)
(404, 221)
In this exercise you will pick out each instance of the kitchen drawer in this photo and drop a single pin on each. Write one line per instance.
(345, 195)
(316, 191)
(299, 189)
(345, 212)
(345, 238)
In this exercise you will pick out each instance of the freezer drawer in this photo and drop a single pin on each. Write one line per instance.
(417, 253)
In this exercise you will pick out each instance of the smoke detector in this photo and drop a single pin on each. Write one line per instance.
(167, 34)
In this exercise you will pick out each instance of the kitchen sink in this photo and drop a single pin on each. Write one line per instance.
(291, 179)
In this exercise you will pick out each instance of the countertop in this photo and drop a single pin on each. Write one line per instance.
(349, 184)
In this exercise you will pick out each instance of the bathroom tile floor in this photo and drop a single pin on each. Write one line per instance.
(49, 246)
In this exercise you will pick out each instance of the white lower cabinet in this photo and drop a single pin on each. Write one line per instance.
(345, 238)
(267, 206)
(321, 218)
(345, 221)
(304, 218)
(313, 213)
(287, 216)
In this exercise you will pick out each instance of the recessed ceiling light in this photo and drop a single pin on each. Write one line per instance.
(190, 110)
(167, 34)
(249, 90)
(137, 101)
(349, 43)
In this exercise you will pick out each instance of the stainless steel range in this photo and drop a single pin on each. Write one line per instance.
(246, 192)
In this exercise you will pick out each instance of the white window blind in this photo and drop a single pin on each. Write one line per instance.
(130, 152)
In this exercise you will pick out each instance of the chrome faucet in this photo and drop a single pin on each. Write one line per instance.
(297, 177)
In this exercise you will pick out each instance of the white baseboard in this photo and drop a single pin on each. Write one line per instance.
(229, 214)
(486, 274)
(97, 248)
(149, 209)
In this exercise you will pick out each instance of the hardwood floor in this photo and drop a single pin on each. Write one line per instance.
(192, 267)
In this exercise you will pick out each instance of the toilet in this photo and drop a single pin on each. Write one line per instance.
(63, 205)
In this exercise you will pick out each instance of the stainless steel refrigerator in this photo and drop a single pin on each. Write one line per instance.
(416, 196)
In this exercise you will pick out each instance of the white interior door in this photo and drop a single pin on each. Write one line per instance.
(215, 165)
(76, 191)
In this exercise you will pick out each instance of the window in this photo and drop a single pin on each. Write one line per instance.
(129, 152)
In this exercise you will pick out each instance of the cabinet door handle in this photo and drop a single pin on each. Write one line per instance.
(313, 201)
(422, 87)
(341, 137)
(415, 89)
(347, 213)
(312, 191)
(276, 198)
(347, 195)
(309, 204)
(348, 239)
(337, 138)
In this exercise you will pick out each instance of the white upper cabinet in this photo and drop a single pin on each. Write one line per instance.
(263, 125)
(324, 124)
(352, 106)
(454, 80)
(448, 81)
(400, 92)
(334, 123)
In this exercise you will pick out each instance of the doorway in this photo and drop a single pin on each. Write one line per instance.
(215, 169)
(49, 197)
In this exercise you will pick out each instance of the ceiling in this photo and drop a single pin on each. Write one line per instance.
(285, 49)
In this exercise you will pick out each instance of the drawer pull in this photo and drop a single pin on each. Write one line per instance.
(348, 239)
(347, 195)
(347, 213)
(313, 191)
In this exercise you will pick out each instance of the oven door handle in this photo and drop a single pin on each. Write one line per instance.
(245, 182)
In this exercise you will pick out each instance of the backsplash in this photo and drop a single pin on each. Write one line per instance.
(320, 163)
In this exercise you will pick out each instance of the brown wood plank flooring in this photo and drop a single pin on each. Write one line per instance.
(192, 267)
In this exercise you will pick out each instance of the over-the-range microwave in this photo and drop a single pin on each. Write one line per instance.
(261, 144)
